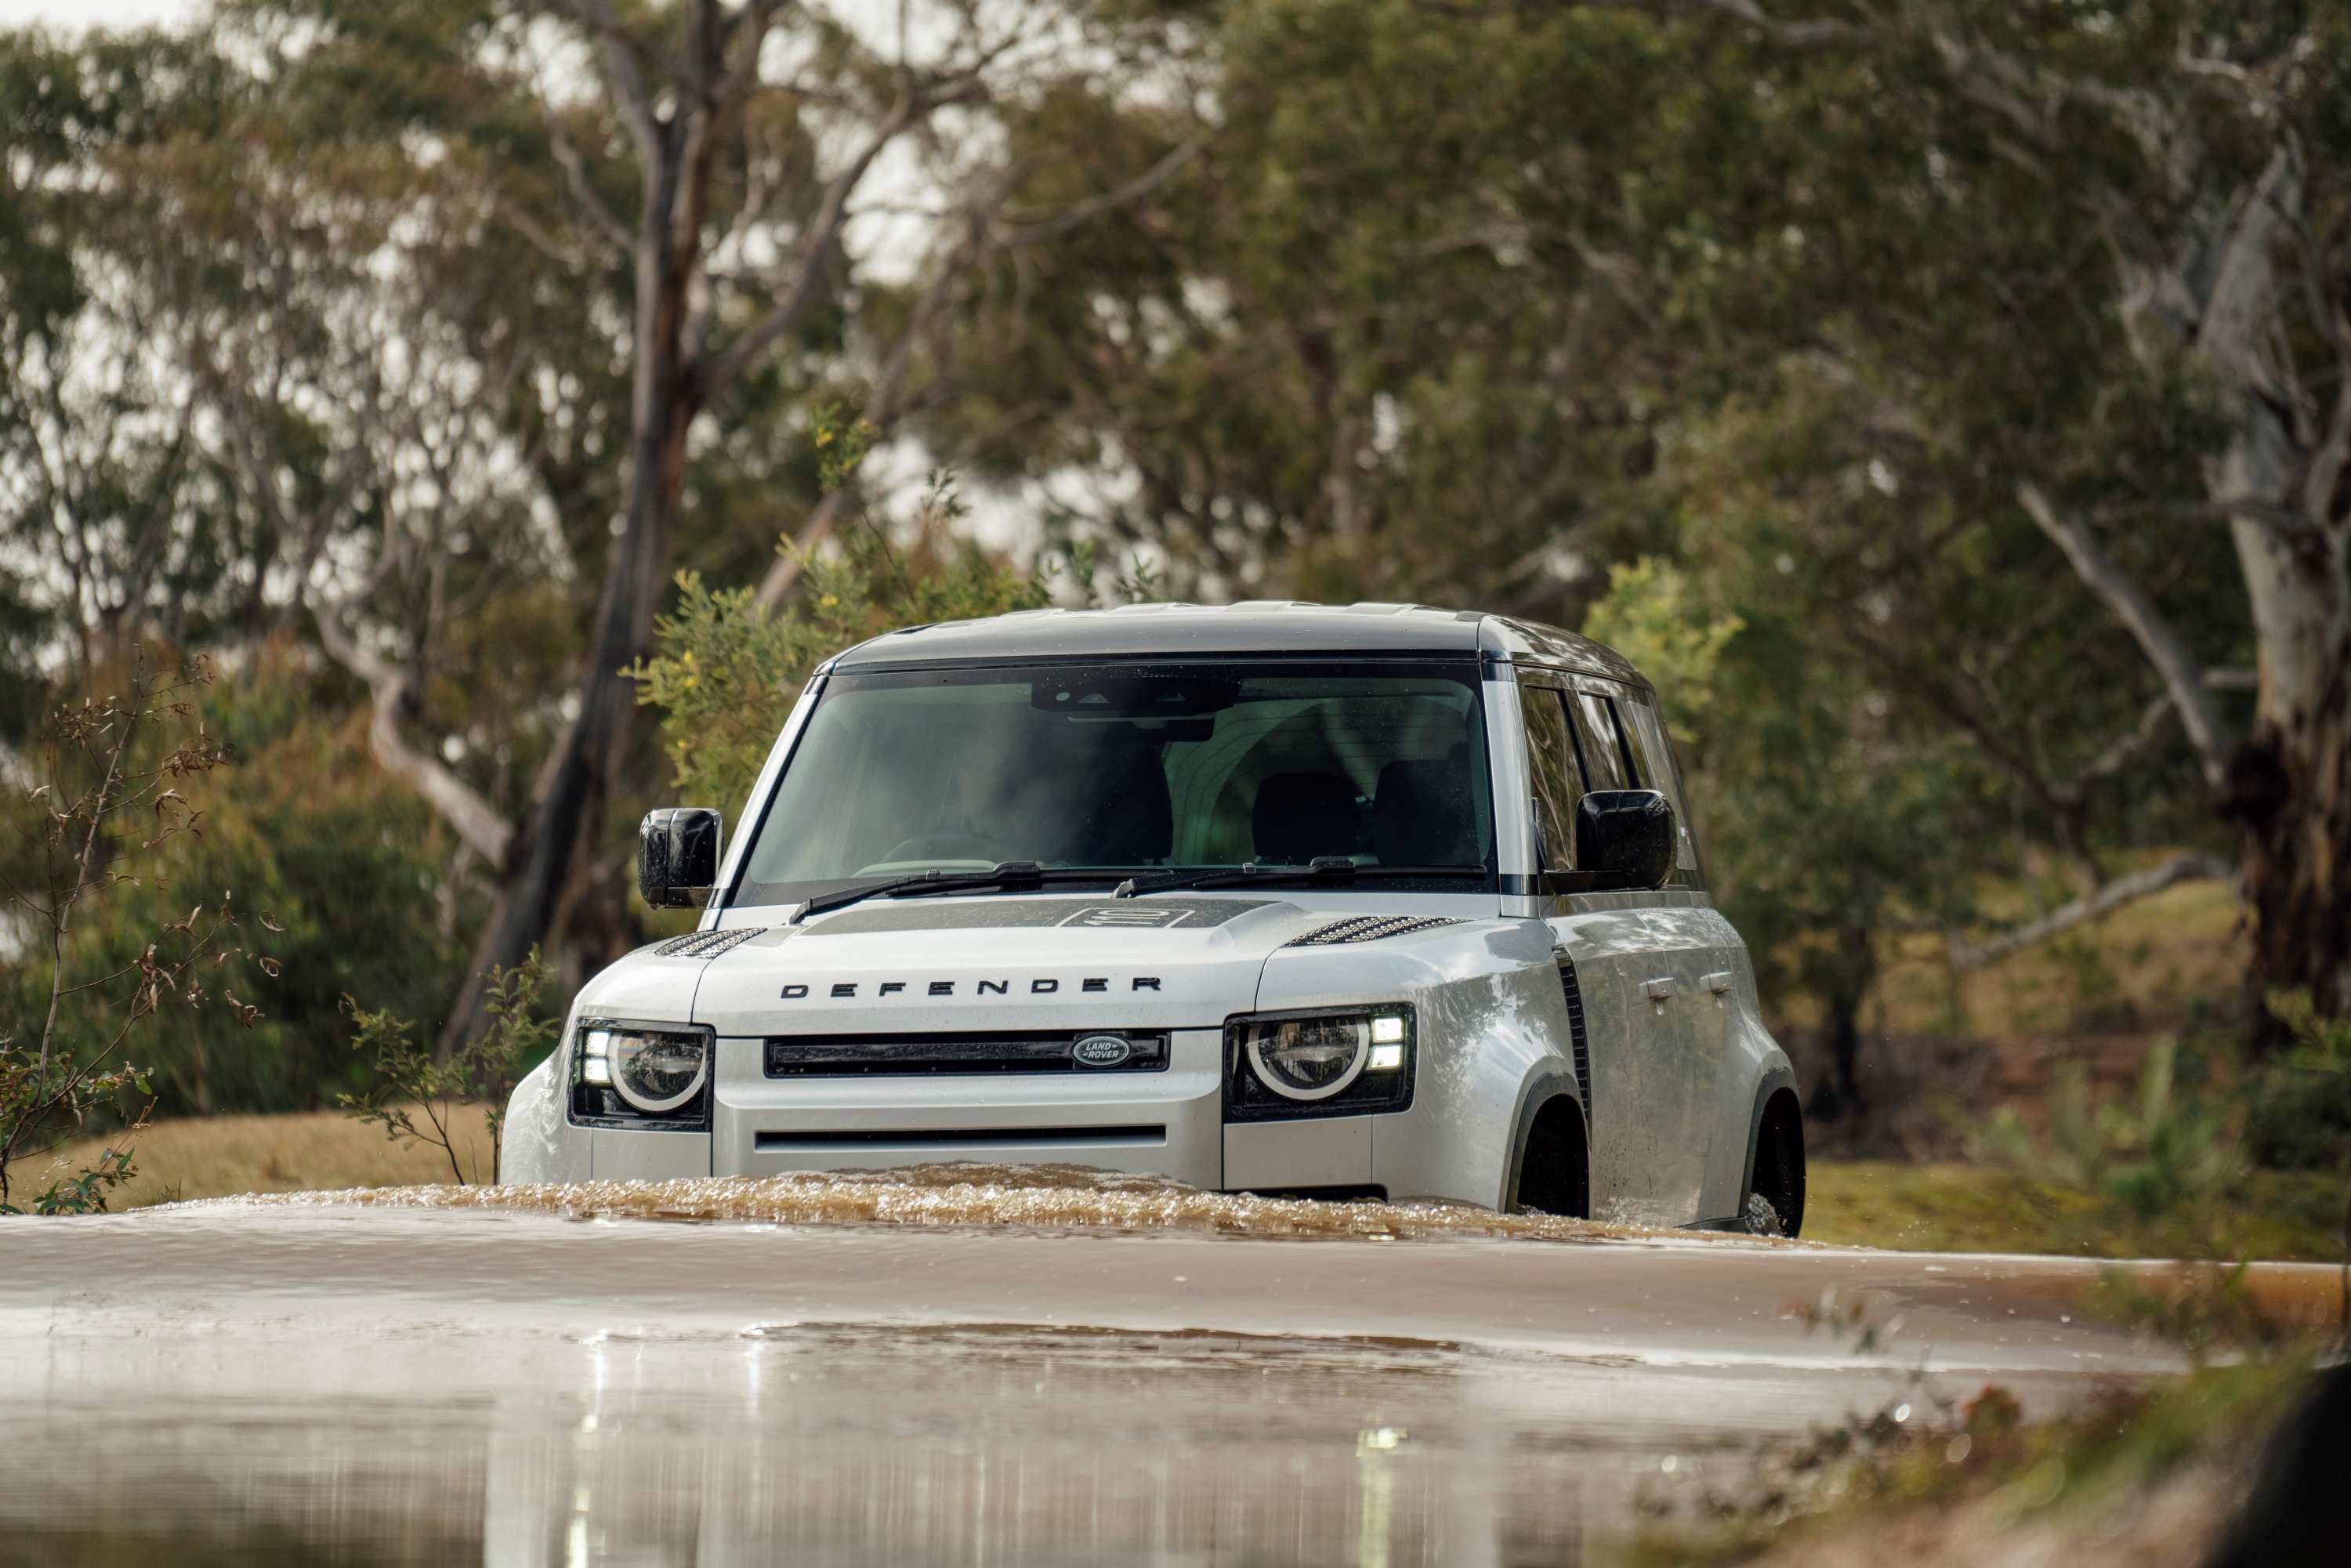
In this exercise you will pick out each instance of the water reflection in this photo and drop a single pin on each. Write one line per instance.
(837, 1444)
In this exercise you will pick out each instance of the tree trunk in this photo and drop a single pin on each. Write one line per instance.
(558, 841)
(2289, 785)
(1840, 1093)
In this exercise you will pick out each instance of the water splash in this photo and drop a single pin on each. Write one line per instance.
(1048, 1198)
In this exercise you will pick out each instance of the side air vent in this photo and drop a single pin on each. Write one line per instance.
(1575, 1029)
(708, 944)
(1368, 928)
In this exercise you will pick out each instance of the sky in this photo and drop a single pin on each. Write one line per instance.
(94, 13)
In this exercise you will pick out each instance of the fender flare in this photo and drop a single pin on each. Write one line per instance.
(1534, 1095)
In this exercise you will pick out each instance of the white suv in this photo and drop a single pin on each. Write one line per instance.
(1372, 900)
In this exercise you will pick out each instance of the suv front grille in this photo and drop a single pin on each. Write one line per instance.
(914, 1055)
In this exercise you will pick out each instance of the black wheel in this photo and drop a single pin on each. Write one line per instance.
(1779, 1175)
(1554, 1170)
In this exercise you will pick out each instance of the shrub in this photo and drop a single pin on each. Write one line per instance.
(727, 669)
(115, 786)
(2298, 1104)
(408, 1081)
(2162, 1161)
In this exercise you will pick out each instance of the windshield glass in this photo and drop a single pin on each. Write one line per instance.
(1126, 766)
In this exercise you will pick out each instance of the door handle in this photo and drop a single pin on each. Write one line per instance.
(1661, 989)
(1721, 981)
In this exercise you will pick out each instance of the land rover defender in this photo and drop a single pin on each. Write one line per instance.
(1372, 900)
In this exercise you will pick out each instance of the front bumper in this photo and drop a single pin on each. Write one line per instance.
(1167, 1123)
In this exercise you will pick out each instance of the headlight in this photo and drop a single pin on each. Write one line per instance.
(653, 1071)
(1338, 1063)
(1309, 1059)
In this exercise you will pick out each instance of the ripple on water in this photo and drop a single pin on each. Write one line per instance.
(1051, 1198)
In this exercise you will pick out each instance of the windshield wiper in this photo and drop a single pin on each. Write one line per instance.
(1009, 873)
(1321, 868)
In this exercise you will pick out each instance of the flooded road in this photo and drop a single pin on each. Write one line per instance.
(387, 1383)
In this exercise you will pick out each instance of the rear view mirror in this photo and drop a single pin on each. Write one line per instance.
(1626, 837)
(677, 856)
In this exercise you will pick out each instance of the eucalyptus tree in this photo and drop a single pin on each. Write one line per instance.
(2091, 272)
(1380, 338)
(2028, 324)
(483, 314)
(105, 535)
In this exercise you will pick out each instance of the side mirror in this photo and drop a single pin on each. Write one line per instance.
(1625, 836)
(677, 856)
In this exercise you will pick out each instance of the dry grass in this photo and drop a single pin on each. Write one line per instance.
(226, 1156)
(1938, 1207)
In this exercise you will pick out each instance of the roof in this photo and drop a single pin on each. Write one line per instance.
(1265, 626)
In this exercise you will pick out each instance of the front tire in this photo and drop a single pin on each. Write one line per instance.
(1778, 1178)
(1555, 1170)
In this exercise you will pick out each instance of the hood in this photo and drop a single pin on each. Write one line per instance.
(917, 965)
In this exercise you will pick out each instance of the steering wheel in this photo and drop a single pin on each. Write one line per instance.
(944, 847)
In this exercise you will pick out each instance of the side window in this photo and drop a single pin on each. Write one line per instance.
(1657, 769)
(1551, 762)
(1605, 763)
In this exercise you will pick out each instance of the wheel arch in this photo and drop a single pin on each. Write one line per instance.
(1778, 1115)
(1555, 1093)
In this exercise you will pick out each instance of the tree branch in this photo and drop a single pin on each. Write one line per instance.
(2219, 509)
(756, 339)
(592, 206)
(2183, 680)
(1804, 35)
(1110, 200)
(617, 52)
(2139, 736)
(2090, 907)
(473, 819)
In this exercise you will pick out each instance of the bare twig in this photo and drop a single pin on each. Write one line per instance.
(2183, 678)
(2123, 890)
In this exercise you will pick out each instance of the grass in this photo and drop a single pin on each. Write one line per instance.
(225, 1156)
(1858, 1203)
(2289, 1216)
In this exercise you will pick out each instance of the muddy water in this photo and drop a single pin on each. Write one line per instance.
(420, 1381)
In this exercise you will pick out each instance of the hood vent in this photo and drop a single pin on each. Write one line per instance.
(1368, 928)
(708, 944)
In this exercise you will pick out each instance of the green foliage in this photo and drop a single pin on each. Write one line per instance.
(1656, 616)
(727, 669)
(352, 879)
(406, 1081)
(113, 791)
(85, 1191)
(1826, 819)
(2298, 1102)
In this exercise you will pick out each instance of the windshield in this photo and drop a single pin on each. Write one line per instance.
(1126, 766)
